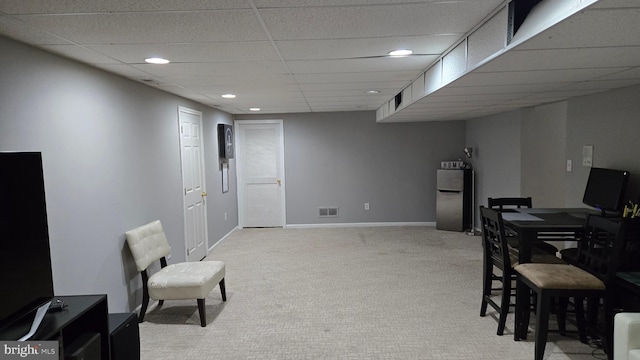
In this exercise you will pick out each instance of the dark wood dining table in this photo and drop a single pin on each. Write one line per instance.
(554, 224)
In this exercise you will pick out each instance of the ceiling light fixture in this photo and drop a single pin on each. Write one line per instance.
(156, 60)
(372, 92)
(229, 96)
(254, 109)
(399, 53)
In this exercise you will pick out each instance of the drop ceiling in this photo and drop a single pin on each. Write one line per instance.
(287, 56)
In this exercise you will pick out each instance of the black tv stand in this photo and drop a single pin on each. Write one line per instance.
(82, 314)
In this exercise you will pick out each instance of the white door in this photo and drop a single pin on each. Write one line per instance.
(192, 156)
(260, 171)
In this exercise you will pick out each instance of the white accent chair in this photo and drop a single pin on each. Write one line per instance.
(626, 336)
(181, 281)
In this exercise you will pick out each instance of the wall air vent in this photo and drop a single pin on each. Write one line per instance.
(328, 212)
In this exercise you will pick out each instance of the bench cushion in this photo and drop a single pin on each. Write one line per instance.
(187, 280)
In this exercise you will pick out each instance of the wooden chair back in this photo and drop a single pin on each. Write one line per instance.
(509, 202)
(600, 249)
(494, 238)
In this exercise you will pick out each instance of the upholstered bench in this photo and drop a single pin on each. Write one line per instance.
(181, 281)
(626, 336)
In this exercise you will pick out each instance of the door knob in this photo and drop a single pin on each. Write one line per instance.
(279, 182)
(204, 193)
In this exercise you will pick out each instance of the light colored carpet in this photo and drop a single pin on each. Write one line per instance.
(345, 293)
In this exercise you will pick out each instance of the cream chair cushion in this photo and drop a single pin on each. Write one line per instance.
(626, 336)
(187, 280)
(148, 244)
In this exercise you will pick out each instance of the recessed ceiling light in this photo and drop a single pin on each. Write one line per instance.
(156, 60)
(372, 92)
(403, 52)
(254, 109)
(229, 96)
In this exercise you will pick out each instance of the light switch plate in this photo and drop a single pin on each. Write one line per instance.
(587, 155)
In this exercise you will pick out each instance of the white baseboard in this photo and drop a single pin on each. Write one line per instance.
(221, 239)
(367, 224)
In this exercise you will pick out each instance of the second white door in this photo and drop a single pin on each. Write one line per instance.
(260, 167)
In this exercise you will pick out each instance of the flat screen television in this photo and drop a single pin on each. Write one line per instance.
(605, 189)
(26, 280)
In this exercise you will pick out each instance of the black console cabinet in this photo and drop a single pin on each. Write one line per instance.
(83, 315)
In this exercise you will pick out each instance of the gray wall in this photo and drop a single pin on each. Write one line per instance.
(543, 154)
(111, 162)
(345, 159)
(610, 122)
(524, 152)
(496, 156)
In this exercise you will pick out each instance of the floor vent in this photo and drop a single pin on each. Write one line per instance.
(328, 212)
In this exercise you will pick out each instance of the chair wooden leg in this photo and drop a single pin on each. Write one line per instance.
(523, 311)
(542, 324)
(561, 315)
(203, 314)
(223, 290)
(145, 295)
(143, 307)
(593, 305)
(580, 319)
(504, 304)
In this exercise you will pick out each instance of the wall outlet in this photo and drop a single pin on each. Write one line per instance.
(366, 206)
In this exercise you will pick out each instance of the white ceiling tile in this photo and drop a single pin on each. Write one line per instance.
(123, 70)
(363, 47)
(204, 69)
(530, 77)
(316, 3)
(250, 81)
(193, 52)
(382, 86)
(353, 65)
(581, 58)
(633, 73)
(404, 19)
(162, 27)
(81, 54)
(20, 31)
(606, 27)
(407, 75)
(68, 7)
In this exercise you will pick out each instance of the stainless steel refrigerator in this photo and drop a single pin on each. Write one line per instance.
(453, 199)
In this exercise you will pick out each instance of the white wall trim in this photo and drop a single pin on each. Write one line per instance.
(365, 224)
(222, 239)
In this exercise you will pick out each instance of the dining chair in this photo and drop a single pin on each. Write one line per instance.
(497, 255)
(589, 277)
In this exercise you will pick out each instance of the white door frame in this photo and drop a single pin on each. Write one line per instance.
(239, 168)
(203, 231)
